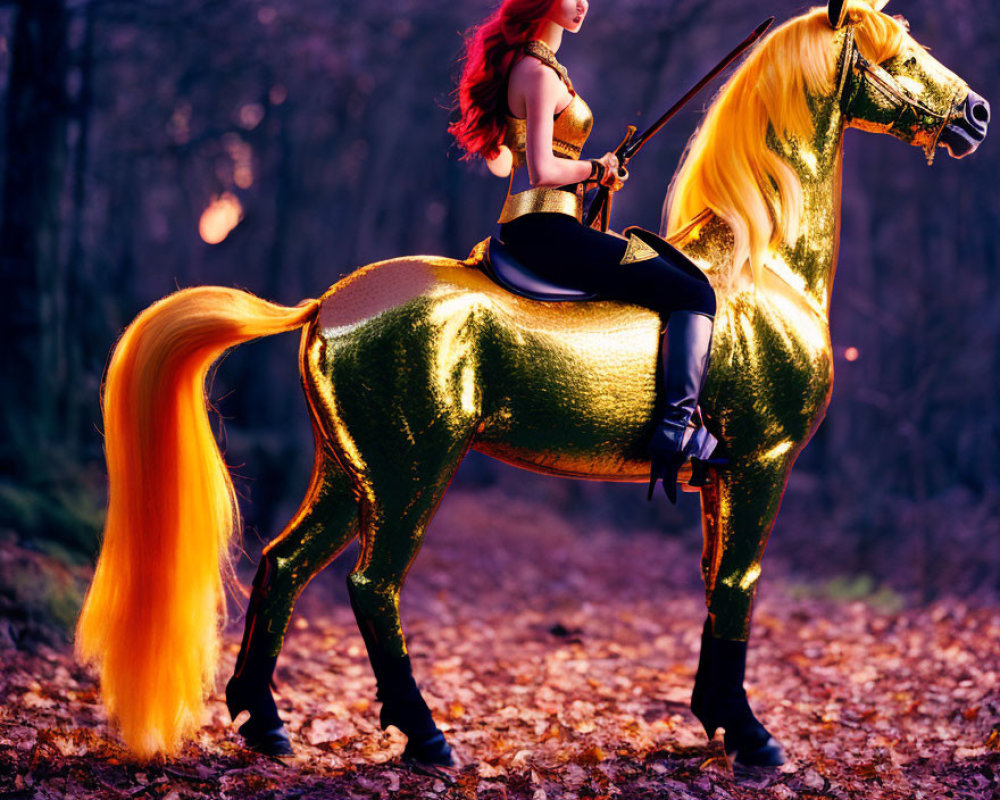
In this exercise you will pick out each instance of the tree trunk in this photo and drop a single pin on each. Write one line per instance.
(36, 120)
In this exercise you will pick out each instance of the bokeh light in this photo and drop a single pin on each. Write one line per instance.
(278, 94)
(218, 220)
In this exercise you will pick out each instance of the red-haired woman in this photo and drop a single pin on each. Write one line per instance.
(520, 113)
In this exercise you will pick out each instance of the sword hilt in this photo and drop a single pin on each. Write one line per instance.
(622, 152)
(599, 214)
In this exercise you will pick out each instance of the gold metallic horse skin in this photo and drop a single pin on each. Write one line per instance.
(408, 363)
(412, 361)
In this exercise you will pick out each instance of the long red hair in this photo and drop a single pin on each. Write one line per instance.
(490, 49)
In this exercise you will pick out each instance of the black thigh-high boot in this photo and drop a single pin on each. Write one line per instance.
(250, 687)
(685, 357)
(720, 701)
(402, 704)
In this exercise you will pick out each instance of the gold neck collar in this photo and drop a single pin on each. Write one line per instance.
(543, 53)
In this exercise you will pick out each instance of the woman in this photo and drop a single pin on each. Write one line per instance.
(520, 113)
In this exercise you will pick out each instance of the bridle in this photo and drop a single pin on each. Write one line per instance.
(910, 108)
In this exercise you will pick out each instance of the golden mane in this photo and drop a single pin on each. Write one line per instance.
(729, 169)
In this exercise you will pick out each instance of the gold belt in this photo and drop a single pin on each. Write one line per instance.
(534, 201)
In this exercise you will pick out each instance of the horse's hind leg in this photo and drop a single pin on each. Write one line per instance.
(326, 522)
(401, 498)
(399, 397)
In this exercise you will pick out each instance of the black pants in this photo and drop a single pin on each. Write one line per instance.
(564, 251)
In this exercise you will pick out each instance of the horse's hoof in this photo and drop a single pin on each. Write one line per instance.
(432, 751)
(770, 754)
(273, 742)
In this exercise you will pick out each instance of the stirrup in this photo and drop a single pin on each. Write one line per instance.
(699, 446)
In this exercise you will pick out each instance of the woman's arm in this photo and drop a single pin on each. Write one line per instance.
(542, 92)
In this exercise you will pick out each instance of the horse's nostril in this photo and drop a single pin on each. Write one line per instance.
(977, 110)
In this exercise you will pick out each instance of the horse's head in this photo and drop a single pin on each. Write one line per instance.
(901, 89)
(774, 133)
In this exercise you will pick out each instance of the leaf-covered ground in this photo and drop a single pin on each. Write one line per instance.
(559, 662)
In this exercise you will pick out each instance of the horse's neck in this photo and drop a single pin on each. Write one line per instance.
(810, 264)
(805, 269)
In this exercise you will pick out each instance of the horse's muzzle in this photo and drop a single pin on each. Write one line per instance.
(968, 131)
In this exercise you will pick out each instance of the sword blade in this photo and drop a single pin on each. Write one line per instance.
(599, 213)
(637, 144)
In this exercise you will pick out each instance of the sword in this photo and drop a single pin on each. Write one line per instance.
(600, 208)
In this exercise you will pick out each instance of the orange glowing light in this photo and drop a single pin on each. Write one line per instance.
(851, 354)
(242, 155)
(222, 215)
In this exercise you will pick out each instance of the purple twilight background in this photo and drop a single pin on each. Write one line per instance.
(324, 122)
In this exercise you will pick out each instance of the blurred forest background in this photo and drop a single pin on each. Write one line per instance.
(135, 134)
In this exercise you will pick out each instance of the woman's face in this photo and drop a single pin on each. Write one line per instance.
(569, 14)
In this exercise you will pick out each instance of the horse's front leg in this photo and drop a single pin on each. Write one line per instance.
(739, 507)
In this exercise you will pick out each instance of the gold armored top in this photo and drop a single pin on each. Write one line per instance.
(571, 128)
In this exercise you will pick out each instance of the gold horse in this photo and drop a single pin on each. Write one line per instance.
(408, 363)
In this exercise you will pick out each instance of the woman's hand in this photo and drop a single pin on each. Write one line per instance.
(610, 177)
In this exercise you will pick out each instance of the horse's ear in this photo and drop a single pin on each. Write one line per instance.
(836, 10)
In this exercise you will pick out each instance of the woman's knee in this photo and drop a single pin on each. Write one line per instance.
(705, 299)
(678, 291)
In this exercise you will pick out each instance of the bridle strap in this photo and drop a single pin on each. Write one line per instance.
(853, 62)
(846, 64)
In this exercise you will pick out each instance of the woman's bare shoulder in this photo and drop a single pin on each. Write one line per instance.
(531, 84)
(530, 72)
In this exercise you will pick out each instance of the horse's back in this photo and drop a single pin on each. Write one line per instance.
(532, 376)
(440, 285)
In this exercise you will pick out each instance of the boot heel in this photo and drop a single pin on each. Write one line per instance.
(665, 467)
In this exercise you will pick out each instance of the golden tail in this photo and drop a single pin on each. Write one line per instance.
(151, 619)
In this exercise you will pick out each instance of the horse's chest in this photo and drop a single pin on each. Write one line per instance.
(771, 375)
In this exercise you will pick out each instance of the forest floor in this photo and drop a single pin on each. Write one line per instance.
(560, 666)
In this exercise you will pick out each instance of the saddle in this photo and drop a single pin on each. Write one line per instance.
(499, 264)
